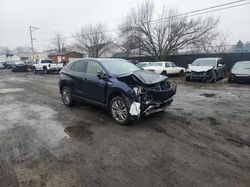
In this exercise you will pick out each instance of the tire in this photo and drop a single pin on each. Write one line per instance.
(224, 75)
(45, 70)
(67, 97)
(181, 73)
(119, 110)
(34, 70)
(187, 78)
(164, 73)
(212, 78)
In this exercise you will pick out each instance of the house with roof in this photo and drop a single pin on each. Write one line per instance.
(66, 56)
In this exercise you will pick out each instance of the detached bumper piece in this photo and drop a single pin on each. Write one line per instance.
(157, 107)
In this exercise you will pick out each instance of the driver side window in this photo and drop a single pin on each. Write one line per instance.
(93, 67)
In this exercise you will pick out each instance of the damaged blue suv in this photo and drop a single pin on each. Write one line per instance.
(116, 85)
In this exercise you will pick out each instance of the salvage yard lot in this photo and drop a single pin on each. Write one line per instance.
(203, 139)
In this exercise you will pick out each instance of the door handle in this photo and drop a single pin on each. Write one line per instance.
(84, 78)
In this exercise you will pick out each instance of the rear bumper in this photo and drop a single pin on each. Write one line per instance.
(55, 69)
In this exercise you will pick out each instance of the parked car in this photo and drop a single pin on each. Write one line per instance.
(116, 85)
(240, 72)
(9, 64)
(206, 70)
(19, 66)
(2, 66)
(164, 68)
(46, 66)
(142, 65)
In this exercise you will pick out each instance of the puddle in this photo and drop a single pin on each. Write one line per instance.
(10, 90)
(42, 119)
(208, 95)
(78, 132)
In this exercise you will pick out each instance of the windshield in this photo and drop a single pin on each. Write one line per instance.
(17, 63)
(141, 65)
(242, 65)
(204, 62)
(119, 67)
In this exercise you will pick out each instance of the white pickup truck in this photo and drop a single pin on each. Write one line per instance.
(46, 66)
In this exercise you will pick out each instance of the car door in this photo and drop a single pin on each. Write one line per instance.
(95, 87)
(78, 75)
(174, 68)
(168, 68)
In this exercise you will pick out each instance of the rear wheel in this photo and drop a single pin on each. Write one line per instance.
(45, 70)
(119, 110)
(181, 73)
(67, 97)
(164, 73)
(34, 70)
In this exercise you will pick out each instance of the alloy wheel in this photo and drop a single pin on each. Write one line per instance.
(119, 111)
(66, 95)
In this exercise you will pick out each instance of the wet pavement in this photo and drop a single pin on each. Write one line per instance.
(203, 139)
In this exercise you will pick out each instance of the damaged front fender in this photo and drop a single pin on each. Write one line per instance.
(150, 92)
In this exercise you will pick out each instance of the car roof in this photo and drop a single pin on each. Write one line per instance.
(211, 58)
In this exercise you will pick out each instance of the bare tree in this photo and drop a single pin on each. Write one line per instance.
(216, 44)
(94, 39)
(169, 33)
(59, 42)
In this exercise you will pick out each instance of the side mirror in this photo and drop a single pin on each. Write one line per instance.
(101, 74)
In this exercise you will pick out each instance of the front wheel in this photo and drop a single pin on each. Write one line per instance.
(67, 97)
(212, 78)
(119, 110)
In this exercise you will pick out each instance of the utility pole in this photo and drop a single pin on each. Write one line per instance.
(31, 38)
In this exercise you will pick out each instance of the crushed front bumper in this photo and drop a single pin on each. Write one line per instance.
(157, 107)
(202, 76)
(161, 99)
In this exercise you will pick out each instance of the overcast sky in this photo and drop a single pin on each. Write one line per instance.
(68, 16)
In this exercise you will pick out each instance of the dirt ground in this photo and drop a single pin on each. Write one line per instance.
(203, 139)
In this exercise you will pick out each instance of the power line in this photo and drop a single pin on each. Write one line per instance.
(199, 10)
(187, 14)
(216, 10)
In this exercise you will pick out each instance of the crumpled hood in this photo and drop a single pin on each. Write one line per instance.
(145, 77)
(200, 68)
(241, 71)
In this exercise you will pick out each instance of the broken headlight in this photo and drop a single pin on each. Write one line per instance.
(138, 90)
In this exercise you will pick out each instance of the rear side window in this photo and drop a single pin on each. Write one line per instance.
(93, 68)
(167, 65)
(46, 61)
(80, 66)
(172, 64)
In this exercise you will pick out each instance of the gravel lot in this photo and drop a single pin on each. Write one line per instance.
(203, 139)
